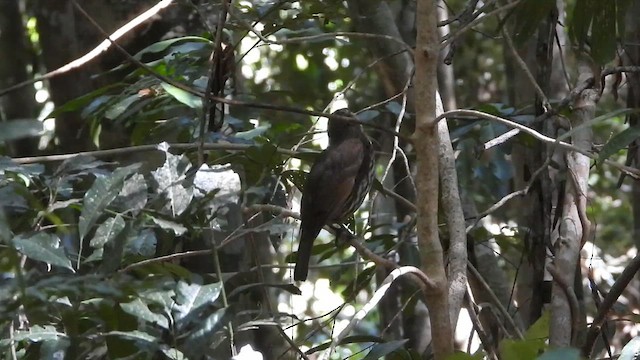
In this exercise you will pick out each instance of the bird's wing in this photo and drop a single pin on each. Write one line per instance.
(331, 180)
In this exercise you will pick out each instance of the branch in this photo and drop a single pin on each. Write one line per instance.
(635, 173)
(145, 148)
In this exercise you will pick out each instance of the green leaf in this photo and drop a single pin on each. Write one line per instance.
(143, 243)
(161, 46)
(528, 16)
(619, 142)
(190, 298)
(5, 230)
(121, 106)
(36, 333)
(521, 350)
(20, 128)
(603, 39)
(42, 247)
(54, 349)
(540, 329)
(107, 231)
(176, 228)
(170, 178)
(198, 341)
(103, 191)
(134, 335)
(182, 96)
(464, 356)
(580, 23)
(380, 350)
(140, 310)
(565, 354)
(133, 196)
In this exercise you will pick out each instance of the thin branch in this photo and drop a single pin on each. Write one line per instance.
(478, 114)
(144, 148)
(446, 40)
(525, 69)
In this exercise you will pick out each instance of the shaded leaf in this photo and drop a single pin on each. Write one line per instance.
(35, 333)
(528, 16)
(20, 128)
(42, 247)
(619, 142)
(134, 335)
(199, 340)
(380, 350)
(143, 243)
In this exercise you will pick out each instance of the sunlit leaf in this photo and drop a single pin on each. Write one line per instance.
(107, 231)
(140, 310)
(182, 96)
(103, 191)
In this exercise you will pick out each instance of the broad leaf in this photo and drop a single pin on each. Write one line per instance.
(140, 310)
(380, 350)
(43, 247)
(107, 231)
(103, 191)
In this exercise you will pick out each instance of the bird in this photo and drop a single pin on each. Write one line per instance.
(336, 186)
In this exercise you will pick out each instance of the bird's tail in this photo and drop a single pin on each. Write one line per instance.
(304, 255)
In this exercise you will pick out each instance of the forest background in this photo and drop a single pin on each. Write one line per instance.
(140, 218)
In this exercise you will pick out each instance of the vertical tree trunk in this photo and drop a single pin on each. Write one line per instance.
(427, 178)
(16, 55)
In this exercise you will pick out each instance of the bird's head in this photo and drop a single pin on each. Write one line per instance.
(339, 129)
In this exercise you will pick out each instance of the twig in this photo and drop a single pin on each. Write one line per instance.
(500, 139)
(446, 40)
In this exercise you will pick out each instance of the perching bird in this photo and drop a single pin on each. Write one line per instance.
(336, 186)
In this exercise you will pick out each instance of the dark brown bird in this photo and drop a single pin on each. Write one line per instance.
(336, 186)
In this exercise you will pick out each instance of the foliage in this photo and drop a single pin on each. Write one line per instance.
(95, 252)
